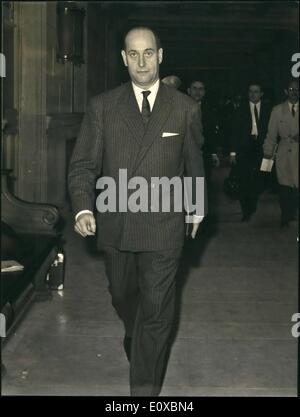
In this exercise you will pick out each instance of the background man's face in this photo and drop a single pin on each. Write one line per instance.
(293, 92)
(255, 94)
(197, 90)
(142, 58)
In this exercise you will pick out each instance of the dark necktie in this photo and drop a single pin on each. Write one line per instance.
(256, 119)
(145, 107)
(256, 114)
(293, 110)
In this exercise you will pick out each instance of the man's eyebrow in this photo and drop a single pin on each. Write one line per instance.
(134, 50)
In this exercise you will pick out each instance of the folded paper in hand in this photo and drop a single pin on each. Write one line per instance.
(266, 165)
(11, 266)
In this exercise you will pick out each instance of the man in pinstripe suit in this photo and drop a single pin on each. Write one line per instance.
(150, 130)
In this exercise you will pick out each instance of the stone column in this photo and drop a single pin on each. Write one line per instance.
(31, 182)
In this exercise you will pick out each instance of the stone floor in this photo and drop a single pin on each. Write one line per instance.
(237, 293)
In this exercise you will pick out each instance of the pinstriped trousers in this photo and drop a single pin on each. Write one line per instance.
(142, 286)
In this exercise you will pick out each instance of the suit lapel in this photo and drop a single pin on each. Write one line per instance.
(249, 117)
(130, 113)
(286, 110)
(285, 107)
(262, 115)
(291, 122)
(159, 115)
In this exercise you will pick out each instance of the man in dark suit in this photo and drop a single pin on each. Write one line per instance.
(149, 130)
(249, 131)
(197, 91)
(227, 114)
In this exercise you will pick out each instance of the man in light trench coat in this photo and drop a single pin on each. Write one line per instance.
(284, 129)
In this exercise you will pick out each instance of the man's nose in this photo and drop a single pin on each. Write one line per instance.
(141, 61)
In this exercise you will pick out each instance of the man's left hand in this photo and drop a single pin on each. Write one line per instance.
(196, 222)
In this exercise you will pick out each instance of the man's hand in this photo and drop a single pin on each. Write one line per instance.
(196, 222)
(85, 225)
(232, 159)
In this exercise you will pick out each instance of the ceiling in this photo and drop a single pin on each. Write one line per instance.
(202, 36)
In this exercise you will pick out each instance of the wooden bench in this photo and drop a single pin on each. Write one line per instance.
(30, 235)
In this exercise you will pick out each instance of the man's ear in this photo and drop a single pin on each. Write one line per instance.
(160, 55)
(285, 91)
(123, 53)
(189, 91)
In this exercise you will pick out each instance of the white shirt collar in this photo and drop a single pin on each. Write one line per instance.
(291, 105)
(253, 104)
(151, 98)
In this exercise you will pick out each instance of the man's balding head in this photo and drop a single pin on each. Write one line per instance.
(139, 29)
(141, 56)
(172, 81)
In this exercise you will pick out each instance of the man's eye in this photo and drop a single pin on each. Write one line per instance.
(149, 53)
(132, 54)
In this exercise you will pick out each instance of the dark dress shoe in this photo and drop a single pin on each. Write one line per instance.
(127, 346)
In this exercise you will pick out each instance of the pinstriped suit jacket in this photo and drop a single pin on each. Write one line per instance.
(112, 136)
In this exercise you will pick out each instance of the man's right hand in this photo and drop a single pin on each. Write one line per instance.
(85, 225)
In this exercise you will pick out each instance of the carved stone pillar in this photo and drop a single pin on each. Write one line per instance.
(31, 182)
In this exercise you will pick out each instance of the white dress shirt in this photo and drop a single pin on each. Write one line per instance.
(254, 130)
(152, 96)
(296, 105)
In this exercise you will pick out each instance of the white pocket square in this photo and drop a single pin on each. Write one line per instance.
(166, 134)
